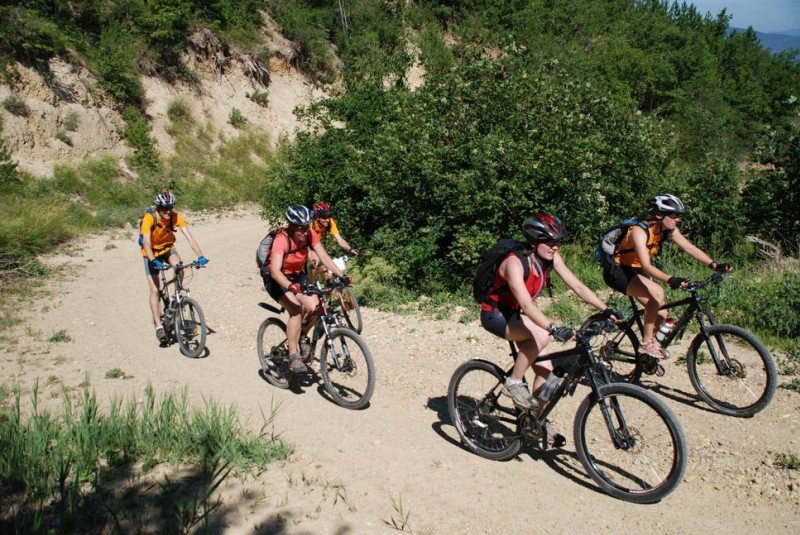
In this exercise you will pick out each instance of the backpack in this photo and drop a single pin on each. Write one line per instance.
(489, 262)
(614, 236)
(265, 247)
(152, 211)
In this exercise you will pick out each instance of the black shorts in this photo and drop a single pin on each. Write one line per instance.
(275, 290)
(496, 320)
(617, 276)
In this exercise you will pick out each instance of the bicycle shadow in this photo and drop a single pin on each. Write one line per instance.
(561, 461)
(680, 396)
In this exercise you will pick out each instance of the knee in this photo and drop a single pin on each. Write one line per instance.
(657, 296)
(662, 315)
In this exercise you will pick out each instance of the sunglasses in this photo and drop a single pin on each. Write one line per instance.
(166, 208)
(552, 243)
(302, 228)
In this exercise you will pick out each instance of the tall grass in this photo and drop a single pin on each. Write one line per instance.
(90, 469)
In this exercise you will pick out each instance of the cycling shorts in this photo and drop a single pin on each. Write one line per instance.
(164, 257)
(618, 276)
(496, 320)
(276, 291)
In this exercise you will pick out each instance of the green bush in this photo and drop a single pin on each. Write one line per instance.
(16, 105)
(236, 118)
(260, 97)
(71, 121)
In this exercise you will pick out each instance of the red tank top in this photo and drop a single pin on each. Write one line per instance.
(500, 294)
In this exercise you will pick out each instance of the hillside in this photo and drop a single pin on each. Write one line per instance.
(39, 139)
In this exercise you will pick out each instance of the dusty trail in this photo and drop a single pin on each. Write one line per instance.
(349, 467)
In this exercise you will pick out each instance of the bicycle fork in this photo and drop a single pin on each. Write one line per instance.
(722, 362)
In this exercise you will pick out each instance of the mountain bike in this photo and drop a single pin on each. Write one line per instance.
(345, 361)
(182, 317)
(729, 367)
(627, 439)
(350, 309)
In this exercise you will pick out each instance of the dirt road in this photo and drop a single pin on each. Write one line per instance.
(352, 469)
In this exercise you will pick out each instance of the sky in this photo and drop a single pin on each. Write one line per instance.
(771, 16)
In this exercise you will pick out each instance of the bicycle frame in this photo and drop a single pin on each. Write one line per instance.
(325, 317)
(694, 309)
(171, 301)
(585, 364)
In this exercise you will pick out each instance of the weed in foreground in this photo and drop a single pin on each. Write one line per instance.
(399, 523)
(84, 468)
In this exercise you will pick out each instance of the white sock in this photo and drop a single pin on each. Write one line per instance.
(159, 326)
(510, 381)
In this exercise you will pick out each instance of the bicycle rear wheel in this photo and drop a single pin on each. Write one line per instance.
(273, 352)
(351, 382)
(619, 354)
(190, 328)
(351, 310)
(648, 460)
(744, 382)
(485, 418)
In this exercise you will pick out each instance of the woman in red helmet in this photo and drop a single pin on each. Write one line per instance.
(323, 225)
(510, 310)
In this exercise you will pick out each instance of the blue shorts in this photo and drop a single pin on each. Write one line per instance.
(164, 257)
(496, 320)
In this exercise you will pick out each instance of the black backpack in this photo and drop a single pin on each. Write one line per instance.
(613, 237)
(152, 212)
(264, 248)
(490, 260)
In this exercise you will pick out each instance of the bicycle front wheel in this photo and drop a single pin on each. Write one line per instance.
(348, 371)
(732, 370)
(485, 418)
(273, 352)
(641, 456)
(619, 354)
(351, 310)
(190, 328)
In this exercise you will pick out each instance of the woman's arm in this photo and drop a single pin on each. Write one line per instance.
(689, 248)
(325, 258)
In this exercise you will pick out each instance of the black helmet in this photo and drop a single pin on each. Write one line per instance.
(297, 214)
(543, 227)
(667, 204)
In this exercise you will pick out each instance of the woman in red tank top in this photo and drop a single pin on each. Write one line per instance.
(510, 311)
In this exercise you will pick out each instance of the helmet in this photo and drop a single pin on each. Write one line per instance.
(322, 209)
(667, 204)
(165, 199)
(543, 227)
(297, 214)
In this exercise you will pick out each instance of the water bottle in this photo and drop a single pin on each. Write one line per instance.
(665, 329)
(546, 392)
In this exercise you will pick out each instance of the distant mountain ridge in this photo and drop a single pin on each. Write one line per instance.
(778, 42)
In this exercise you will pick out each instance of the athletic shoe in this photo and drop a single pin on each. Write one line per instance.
(161, 335)
(653, 348)
(519, 394)
(296, 364)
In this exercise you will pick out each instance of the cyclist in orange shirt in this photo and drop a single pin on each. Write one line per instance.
(323, 225)
(158, 248)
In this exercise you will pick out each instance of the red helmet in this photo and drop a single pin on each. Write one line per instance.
(322, 209)
(543, 227)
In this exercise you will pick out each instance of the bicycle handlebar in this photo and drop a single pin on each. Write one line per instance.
(180, 266)
(716, 278)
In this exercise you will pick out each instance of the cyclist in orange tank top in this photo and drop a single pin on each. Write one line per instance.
(323, 225)
(631, 271)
